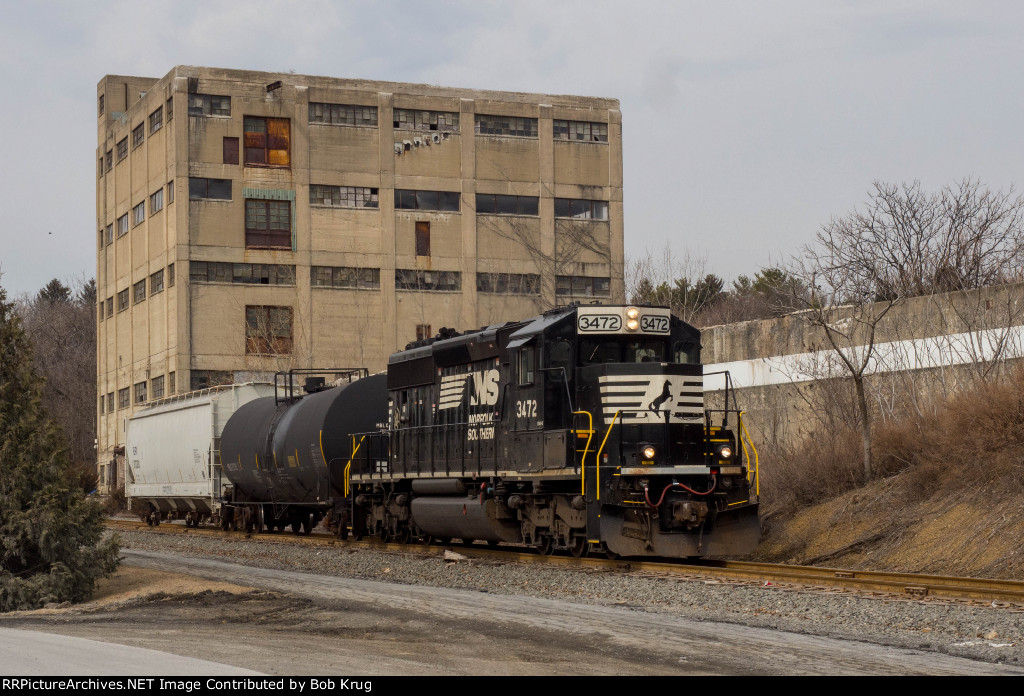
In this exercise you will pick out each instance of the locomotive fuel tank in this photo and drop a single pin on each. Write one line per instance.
(295, 451)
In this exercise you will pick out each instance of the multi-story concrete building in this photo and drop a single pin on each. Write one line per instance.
(250, 222)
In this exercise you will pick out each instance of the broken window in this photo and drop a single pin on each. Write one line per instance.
(267, 142)
(122, 398)
(581, 209)
(157, 387)
(156, 120)
(494, 204)
(140, 393)
(156, 282)
(122, 300)
(203, 379)
(342, 114)
(156, 201)
(139, 214)
(423, 239)
(437, 281)
(344, 196)
(443, 201)
(138, 135)
(583, 131)
(122, 149)
(139, 291)
(506, 125)
(418, 119)
(268, 223)
(241, 273)
(508, 283)
(217, 189)
(208, 105)
(345, 277)
(268, 330)
(122, 225)
(230, 150)
(582, 286)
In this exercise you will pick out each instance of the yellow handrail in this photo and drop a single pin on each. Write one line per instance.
(348, 467)
(583, 462)
(601, 449)
(757, 459)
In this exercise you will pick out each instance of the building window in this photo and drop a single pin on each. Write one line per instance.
(230, 150)
(103, 403)
(100, 168)
(267, 142)
(109, 159)
(346, 277)
(423, 239)
(581, 209)
(101, 311)
(268, 330)
(122, 225)
(139, 291)
(216, 189)
(208, 105)
(110, 233)
(342, 114)
(122, 300)
(427, 200)
(101, 105)
(156, 282)
(122, 149)
(140, 393)
(101, 238)
(241, 273)
(582, 286)
(122, 398)
(170, 275)
(110, 307)
(436, 281)
(110, 402)
(139, 214)
(170, 108)
(506, 125)
(204, 379)
(423, 332)
(170, 383)
(156, 201)
(268, 223)
(508, 283)
(583, 131)
(156, 120)
(138, 135)
(343, 196)
(170, 192)
(417, 119)
(157, 387)
(494, 204)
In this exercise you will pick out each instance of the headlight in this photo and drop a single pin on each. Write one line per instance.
(632, 325)
(633, 313)
(648, 452)
(725, 452)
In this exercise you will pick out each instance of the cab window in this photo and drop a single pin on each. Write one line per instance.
(596, 352)
(526, 366)
(645, 351)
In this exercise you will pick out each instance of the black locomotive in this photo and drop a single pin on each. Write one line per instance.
(583, 428)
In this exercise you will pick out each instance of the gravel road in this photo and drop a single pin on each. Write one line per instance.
(634, 623)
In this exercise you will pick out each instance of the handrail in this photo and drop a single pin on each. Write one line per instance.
(757, 462)
(601, 449)
(348, 466)
(586, 448)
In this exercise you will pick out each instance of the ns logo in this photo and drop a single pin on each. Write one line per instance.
(485, 388)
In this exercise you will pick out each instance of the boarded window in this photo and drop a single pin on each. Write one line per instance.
(267, 142)
(423, 239)
(230, 150)
(268, 330)
(344, 196)
(268, 224)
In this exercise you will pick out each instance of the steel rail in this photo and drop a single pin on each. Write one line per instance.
(906, 585)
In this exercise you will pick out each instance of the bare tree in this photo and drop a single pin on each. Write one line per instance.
(903, 243)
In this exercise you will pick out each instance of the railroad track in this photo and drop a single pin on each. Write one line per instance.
(902, 585)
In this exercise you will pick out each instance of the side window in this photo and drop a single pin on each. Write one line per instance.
(560, 355)
(526, 366)
(686, 352)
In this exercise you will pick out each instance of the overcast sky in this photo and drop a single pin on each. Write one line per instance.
(746, 125)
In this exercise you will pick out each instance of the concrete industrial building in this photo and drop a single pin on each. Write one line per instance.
(252, 222)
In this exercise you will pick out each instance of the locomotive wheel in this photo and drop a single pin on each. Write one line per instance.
(611, 555)
(426, 540)
(296, 526)
(545, 546)
(492, 544)
(384, 534)
(580, 547)
(307, 524)
(404, 535)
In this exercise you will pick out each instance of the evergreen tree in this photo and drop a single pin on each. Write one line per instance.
(51, 536)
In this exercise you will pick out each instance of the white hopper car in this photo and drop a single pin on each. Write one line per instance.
(172, 449)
